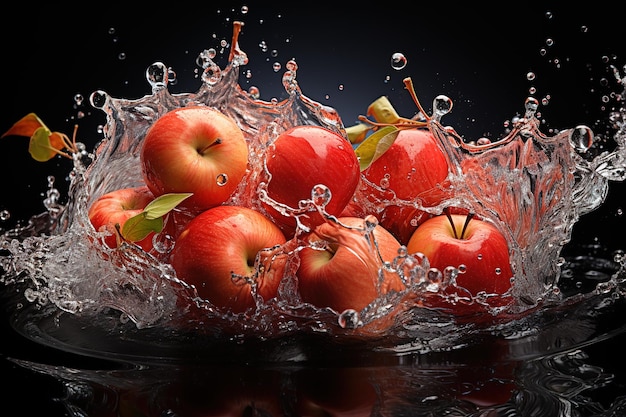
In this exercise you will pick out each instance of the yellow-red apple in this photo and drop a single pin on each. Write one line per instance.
(197, 150)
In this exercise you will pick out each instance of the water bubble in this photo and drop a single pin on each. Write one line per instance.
(549, 15)
(121, 56)
(78, 99)
(276, 66)
(221, 179)
(398, 61)
(581, 138)
(549, 42)
(584, 29)
(320, 195)
(530, 76)
(98, 99)
(212, 74)
(244, 9)
(254, 92)
(263, 46)
(349, 319)
(442, 105)
(5, 215)
(340, 87)
(292, 65)
(111, 31)
(157, 74)
(531, 106)
(274, 53)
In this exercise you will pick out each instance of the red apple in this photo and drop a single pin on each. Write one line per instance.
(475, 246)
(413, 169)
(216, 253)
(197, 150)
(117, 206)
(345, 274)
(301, 158)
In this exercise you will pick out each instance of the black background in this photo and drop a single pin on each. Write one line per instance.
(477, 55)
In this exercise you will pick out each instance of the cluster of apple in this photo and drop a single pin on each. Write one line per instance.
(325, 213)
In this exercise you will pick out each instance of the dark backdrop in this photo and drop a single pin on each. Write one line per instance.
(477, 55)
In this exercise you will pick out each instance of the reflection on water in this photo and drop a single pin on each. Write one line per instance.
(566, 383)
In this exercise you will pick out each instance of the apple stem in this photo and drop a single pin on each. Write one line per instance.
(469, 217)
(449, 216)
(210, 145)
(408, 83)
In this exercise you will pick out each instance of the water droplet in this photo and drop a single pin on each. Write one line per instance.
(531, 106)
(254, 92)
(462, 268)
(442, 105)
(371, 222)
(98, 99)
(212, 74)
(171, 76)
(5, 215)
(581, 138)
(156, 74)
(349, 319)
(398, 61)
(498, 271)
(221, 179)
(292, 65)
(320, 195)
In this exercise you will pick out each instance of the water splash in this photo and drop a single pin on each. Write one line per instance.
(534, 187)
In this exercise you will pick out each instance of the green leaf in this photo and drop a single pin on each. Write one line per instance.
(375, 145)
(39, 146)
(150, 219)
(139, 226)
(163, 204)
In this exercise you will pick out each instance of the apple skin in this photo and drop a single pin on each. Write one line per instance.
(180, 155)
(223, 241)
(483, 250)
(116, 207)
(301, 158)
(413, 169)
(348, 277)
